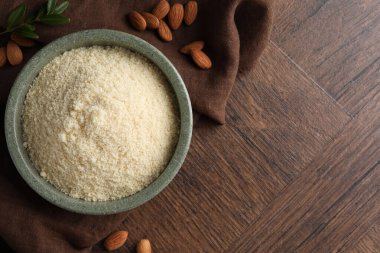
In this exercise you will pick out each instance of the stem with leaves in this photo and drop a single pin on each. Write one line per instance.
(49, 13)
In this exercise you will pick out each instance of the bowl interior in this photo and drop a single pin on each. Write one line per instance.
(20, 88)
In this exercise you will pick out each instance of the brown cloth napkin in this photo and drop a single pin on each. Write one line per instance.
(235, 32)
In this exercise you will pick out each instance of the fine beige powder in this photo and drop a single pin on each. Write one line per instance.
(100, 123)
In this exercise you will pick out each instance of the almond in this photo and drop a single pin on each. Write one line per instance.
(175, 17)
(3, 56)
(144, 246)
(196, 45)
(201, 59)
(137, 21)
(115, 240)
(14, 53)
(164, 31)
(191, 12)
(161, 9)
(21, 41)
(152, 21)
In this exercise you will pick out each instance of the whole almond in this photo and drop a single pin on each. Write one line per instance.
(196, 45)
(137, 21)
(3, 56)
(144, 246)
(164, 31)
(201, 59)
(115, 240)
(161, 9)
(152, 21)
(14, 53)
(21, 41)
(191, 12)
(175, 16)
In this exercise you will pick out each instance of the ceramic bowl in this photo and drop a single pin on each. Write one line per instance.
(13, 131)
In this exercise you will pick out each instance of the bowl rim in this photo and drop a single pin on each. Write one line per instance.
(13, 131)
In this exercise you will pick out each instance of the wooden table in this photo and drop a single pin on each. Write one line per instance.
(296, 167)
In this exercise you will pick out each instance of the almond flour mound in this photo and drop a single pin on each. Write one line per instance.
(100, 123)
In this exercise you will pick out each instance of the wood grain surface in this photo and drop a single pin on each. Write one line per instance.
(332, 203)
(296, 168)
(369, 242)
(337, 43)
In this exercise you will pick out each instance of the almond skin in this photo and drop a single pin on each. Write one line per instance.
(196, 45)
(115, 240)
(201, 59)
(165, 32)
(152, 21)
(21, 41)
(14, 53)
(191, 12)
(144, 246)
(137, 21)
(161, 9)
(3, 56)
(175, 16)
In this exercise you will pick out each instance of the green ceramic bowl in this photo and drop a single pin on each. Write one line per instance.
(16, 98)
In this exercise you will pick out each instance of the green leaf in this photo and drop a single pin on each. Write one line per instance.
(62, 7)
(16, 16)
(26, 32)
(51, 6)
(30, 27)
(27, 27)
(54, 19)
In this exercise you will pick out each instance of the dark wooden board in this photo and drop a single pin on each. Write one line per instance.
(334, 201)
(369, 242)
(336, 42)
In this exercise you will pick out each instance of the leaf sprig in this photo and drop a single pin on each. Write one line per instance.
(24, 25)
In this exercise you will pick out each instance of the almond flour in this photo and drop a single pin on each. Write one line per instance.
(100, 123)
